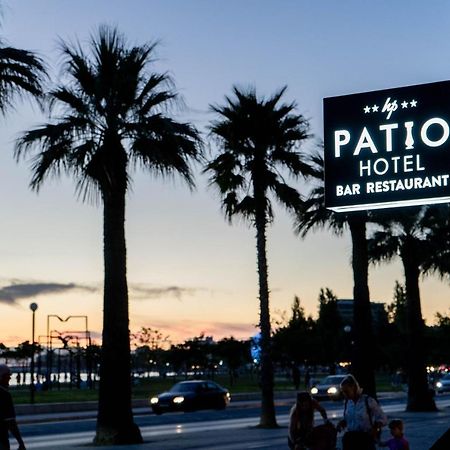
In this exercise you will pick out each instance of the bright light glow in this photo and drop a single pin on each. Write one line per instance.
(178, 400)
(154, 400)
(228, 396)
(314, 390)
(438, 384)
(367, 206)
(332, 390)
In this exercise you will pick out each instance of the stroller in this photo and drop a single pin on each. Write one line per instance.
(321, 437)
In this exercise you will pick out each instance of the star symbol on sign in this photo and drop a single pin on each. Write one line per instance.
(375, 108)
(413, 103)
(367, 109)
(404, 104)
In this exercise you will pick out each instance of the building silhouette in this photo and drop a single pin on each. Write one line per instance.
(345, 310)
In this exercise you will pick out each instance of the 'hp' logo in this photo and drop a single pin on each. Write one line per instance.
(389, 107)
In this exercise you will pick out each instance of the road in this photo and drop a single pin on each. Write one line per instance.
(230, 429)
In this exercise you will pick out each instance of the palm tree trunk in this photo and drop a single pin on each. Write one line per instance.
(115, 423)
(419, 395)
(363, 361)
(268, 418)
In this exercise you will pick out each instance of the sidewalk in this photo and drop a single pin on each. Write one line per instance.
(422, 430)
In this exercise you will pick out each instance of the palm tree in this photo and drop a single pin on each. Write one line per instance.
(257, 138)
(311, 215)
(420, 236)
(108, 118)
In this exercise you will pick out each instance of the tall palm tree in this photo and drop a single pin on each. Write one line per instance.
(311, 215)
(257, 138)
(420, 236)
(108, 118)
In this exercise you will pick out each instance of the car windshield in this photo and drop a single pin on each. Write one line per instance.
(446, 377)
(184, 387)
(332, 380)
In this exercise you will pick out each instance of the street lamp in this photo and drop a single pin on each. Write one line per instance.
(33, 307)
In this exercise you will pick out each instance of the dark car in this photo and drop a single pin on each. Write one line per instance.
(329, 387)
(190, 396)
(443, 384)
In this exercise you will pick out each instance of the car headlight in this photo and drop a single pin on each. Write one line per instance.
(438, 384)
(332, 390)
(314, 391)
(178, 400)
(228, 396)
(154, 400)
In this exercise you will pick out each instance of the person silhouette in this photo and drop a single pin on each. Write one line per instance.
(301, 420)
(7, 413)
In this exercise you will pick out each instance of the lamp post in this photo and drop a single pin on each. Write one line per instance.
(348, 330)
(33, 307)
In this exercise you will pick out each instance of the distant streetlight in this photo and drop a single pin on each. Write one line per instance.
(33, 307)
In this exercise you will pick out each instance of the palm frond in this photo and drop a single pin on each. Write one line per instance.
(165, 146)
(383, 246)
(21, 73)
(311, 213)
(286, 195)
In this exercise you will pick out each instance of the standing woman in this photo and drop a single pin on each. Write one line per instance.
(301, 420)
(363, 417)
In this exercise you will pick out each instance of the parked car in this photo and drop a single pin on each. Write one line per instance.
(443, 384)
(190, 396)
(329, 387)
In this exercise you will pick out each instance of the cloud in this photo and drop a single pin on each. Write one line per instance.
(181, 330)
(18, 290)
(143, 292)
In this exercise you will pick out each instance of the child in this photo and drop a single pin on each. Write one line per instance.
(397, 442)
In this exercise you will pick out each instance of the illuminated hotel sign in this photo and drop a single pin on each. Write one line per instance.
(388, 148)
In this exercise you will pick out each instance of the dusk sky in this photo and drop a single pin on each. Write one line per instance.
(189, 271)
